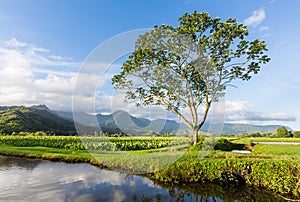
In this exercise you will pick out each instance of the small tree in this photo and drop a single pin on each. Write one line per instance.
(296, 134)
(186, 68)
(282, 132)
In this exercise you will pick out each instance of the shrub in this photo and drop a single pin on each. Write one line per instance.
(223, 145)
(296, 134)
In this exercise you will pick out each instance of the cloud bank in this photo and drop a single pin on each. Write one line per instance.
(256, 18)
(240, 112)
(32, 75)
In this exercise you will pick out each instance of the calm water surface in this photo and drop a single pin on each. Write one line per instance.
(35, 180)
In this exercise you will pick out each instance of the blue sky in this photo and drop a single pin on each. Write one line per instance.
(44, 43)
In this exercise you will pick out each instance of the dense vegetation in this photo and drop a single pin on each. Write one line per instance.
(93, 143)
(278, 176)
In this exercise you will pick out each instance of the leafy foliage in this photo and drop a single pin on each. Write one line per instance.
(93, 143)
(282, 132)
(278, 176)
(296, 134)
(190, 65)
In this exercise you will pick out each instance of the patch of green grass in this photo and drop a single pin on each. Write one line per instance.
(278, 151)
(47, 153)
(241, 140)
(262, 139)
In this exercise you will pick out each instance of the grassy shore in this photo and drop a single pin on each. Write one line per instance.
(274, 167)
(51, 154)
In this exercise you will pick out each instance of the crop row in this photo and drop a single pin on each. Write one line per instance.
(93, 143)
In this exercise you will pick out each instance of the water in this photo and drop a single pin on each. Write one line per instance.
(241, 151)
(36, 180)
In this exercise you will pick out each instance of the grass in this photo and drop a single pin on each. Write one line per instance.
(141, 161)
(47, 153)
(278, 151)
(262, 139)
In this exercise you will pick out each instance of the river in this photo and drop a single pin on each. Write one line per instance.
(37, 180)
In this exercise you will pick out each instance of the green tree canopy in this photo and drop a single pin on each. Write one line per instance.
(282, 132)
(296, 134)
(189, 66)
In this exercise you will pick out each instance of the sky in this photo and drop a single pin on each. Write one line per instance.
(44, 46)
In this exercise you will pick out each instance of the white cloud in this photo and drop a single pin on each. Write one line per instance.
(277, 117)
(30, 75)
(255, 117)
(256, 18)
(267, 35)
(241, 112)
(263, 28)
(15, 43)
(237, 106)
(55, 84)
(58, 57)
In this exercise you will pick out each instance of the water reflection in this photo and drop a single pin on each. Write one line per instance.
(33, 180)
(6, 162)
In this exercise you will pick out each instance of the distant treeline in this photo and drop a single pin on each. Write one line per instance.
(281, 132)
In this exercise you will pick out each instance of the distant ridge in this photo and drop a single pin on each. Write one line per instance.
(41, 118)
(131, 124)
(40, 107)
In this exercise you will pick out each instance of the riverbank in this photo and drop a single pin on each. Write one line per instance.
(282, 177)
(50, 154)
(279, 176)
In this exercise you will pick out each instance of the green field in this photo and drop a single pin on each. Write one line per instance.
(262, 139)
(172, 160)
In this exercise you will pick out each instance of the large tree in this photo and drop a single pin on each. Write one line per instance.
(186, 68)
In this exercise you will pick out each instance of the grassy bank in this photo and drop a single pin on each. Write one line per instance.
(274, 167)
(51, 154)
(282, 177)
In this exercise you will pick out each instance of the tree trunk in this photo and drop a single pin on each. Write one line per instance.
(195, 135)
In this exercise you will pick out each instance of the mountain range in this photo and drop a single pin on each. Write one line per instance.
(41, 118)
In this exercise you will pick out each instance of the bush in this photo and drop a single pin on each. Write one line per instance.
(223, 145)
(282, 132)
(39, 133)
(296, 134)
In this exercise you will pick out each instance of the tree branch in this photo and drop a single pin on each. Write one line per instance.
(180, 116)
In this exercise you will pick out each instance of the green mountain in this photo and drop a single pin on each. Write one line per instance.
(32, 119)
